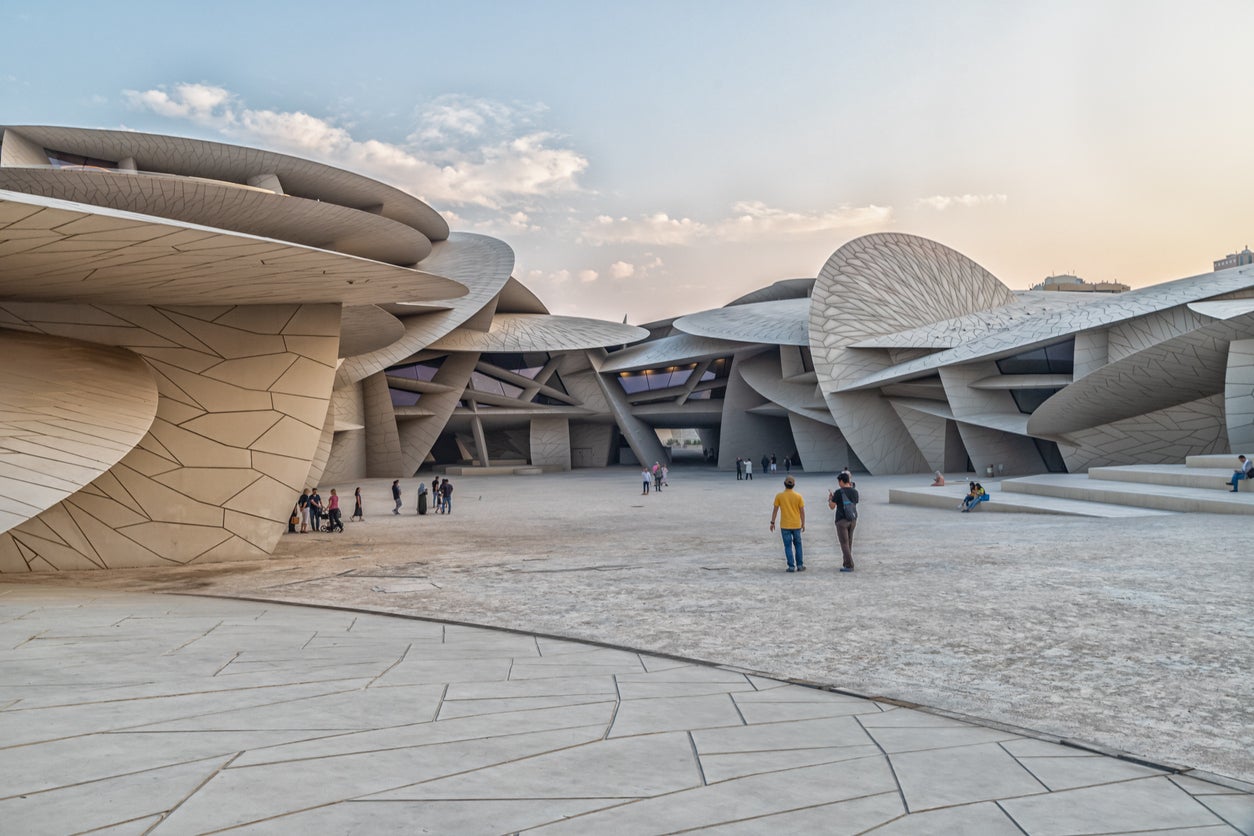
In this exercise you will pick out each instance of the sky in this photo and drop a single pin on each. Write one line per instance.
(649, 159)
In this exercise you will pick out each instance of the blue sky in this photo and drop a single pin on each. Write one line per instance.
(647, 159)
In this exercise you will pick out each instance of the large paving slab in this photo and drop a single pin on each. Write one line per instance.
(1129, 634)
(155, 737)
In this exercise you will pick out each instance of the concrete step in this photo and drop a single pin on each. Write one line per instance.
(949, 498)
(1185, 476)
(1228, 461)
(1159, 497)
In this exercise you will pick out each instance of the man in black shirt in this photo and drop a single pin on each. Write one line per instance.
(845, 502)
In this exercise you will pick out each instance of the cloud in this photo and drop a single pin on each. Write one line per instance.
(754, 219)
(942, 202)
(622, 269)
(750, 220)
(659, 229)
(587, 276)
(466, 151)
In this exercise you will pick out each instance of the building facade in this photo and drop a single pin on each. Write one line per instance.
(197, 331)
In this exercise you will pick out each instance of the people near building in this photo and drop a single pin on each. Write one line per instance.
(303, 505)
(422, 499)
(446, 496)
(788, 463)
(844, 501)
(740, 468)
(748, 468)
(766, 463)
(359, 513)
(975, 495)
(334, 523)
(657, 477)
(666, 475)
(646, 478)
(293, 520)
(939, 480)
(791, 509)
(845, 471)
(1244, 471)
(774, 464)
(315, 510)
(435, 491)
(396, 495)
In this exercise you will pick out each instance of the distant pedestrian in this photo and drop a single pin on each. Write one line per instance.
(788, 464)
(358, 513)
(774, 464)
(792, 522)
(333, 513)
(422, 499)
(396, 495)
(315, 510)
(766, 463)
(303, 505)
(844, 501)
(657, 477)
(666, 472)
(740, 468)
(293, 520)
(446, 496)
(646, 477)
(749, 469)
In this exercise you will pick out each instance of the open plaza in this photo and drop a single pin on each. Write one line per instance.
(717, 692)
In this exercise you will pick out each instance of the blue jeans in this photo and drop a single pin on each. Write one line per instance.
(792, 540)
(1236, 477)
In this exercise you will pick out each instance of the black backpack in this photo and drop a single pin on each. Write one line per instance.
(847, 509)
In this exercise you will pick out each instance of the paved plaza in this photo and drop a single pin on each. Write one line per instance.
(137, 713)
(1126, 636)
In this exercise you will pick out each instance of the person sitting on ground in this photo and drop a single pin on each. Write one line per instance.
(1245, 470)
(974, 497)
(939, 481)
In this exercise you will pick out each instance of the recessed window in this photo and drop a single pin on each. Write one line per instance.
(1058, 358)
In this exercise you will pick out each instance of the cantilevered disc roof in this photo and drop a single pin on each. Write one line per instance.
(57, 251)
(234, 163)
(782, 322)
(540, 332)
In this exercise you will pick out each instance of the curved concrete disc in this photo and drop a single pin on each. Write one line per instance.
(69, 411)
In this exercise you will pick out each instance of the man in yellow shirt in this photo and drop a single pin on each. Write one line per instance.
(792, 521)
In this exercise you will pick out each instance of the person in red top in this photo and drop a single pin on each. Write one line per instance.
(333, 512)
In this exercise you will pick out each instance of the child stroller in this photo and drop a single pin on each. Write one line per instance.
(334, 523)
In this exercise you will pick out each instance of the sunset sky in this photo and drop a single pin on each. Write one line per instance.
(656, 158)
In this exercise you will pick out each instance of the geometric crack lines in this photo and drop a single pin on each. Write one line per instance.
(186, 715)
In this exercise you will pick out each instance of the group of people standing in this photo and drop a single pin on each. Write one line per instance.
(441, 493)
(770, 464)
(790, 507)
(310, 511)
(657, 476)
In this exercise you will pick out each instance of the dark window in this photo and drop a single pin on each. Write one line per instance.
(1029, 399)
(481, 382)
(418, 371)
(807, 359)
(60, 159)
(401, 397)
(1058, 358)
(1051, 455)
(525, 363)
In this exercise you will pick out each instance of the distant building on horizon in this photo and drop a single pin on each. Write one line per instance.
(1074, 284)
(1235, 259)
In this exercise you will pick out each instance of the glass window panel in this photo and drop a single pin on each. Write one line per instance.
(1028, 400)
(400, 397)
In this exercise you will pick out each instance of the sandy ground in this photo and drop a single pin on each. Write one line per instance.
(1134, 634)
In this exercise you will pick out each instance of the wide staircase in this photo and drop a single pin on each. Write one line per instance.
(1200, 485)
